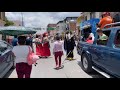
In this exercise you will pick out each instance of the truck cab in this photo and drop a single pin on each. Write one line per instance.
(102, 57)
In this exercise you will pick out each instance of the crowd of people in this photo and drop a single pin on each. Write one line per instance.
(21, 50)
(42, 45)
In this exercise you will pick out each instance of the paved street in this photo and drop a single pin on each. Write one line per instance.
(45, 69)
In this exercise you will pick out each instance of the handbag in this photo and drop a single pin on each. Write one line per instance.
(31, 58)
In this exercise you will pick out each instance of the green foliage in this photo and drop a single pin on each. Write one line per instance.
(8, 23)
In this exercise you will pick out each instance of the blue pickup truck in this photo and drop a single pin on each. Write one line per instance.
(102, 57)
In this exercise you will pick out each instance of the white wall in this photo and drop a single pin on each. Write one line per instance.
(61, 27)
(88, 16)
(97, 15)
(0, 36)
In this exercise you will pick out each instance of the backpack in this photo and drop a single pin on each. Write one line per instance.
(32, 58)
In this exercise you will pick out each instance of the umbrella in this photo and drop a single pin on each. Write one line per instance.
(16, 30)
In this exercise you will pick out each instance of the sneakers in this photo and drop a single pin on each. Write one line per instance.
(70, 59)
(59, 67)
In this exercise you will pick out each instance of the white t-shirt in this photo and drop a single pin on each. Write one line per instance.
(21, 53)
(58, 46)
(92, 35)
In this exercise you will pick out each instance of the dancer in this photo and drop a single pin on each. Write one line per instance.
(39, 47)
(69, 44)
(46, 46)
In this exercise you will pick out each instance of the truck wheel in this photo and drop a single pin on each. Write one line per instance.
(86, 63)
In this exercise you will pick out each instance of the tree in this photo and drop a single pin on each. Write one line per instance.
(8, 23)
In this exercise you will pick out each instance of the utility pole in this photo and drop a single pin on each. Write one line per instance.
(22, 19)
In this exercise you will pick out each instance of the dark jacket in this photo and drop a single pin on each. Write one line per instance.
(69, 44)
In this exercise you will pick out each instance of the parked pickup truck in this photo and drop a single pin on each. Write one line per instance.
(104, 58)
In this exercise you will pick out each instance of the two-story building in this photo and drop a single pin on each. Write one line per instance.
(61, 26)
(51, 29)
(90, 15)
(70, 23)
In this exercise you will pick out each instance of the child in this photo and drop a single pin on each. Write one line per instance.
(89, 40)
(58, 52)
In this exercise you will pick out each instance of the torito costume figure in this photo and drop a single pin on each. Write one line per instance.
(69, 44)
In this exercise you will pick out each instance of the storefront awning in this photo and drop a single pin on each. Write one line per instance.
(50, 28)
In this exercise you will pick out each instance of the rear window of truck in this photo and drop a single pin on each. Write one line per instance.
(117, 39)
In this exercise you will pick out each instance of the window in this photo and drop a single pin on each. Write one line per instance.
(105, 38)
(92, 15)
(85, 18)
(3, 47)
(117, 39)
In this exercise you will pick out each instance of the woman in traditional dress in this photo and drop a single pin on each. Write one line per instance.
(39, 47)
(46, 46)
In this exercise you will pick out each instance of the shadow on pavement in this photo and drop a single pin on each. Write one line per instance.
(46, 57)
(94, 74)
(8, 73)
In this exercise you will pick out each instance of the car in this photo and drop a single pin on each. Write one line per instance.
(6, 58)
(104, 57)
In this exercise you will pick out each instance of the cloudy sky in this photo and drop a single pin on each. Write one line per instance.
(40, 19)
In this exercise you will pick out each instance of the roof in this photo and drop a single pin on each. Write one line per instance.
(70, 17)
(60, 22)
(50, 28)
(51, 25)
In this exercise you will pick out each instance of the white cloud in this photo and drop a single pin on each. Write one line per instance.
(40, 19)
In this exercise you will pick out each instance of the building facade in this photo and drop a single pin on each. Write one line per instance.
(51, 29)
(70, 23)
(61, 26)
(90, 15)
(2, 18)
(2, 21)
